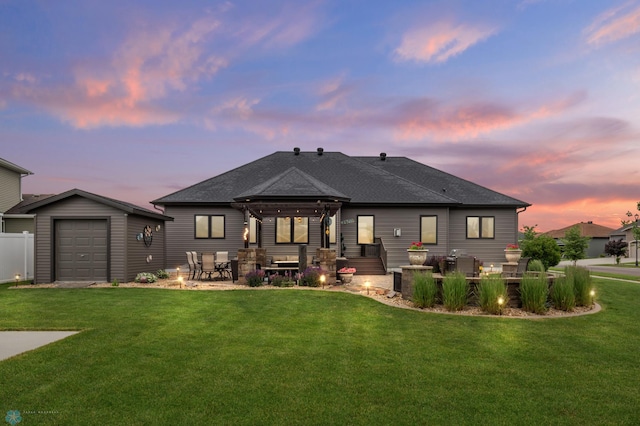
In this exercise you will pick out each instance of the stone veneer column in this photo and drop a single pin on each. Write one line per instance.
(261, 257)
(327, 262)
(408, 272)
(246, 263)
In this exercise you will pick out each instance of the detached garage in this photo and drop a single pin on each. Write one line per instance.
(80, 236)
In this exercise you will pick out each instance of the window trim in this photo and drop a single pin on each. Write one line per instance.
(373, 231)
(480, 219)
(209, 216)
(436, 229)
(291, 230)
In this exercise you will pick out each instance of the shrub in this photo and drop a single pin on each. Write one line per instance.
(455, 290)
(492, 294)
(278, 280)
(581, 280)
(536, 265)
(162, 274)
(541, 247)
(255, 278)
(534, 292)
(424, 290)
(146, 277)
(311, 277)
(562, 294)
(115, 283)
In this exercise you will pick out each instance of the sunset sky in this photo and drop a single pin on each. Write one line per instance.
(537, 99)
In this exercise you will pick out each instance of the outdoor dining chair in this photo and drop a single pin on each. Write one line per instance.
(223, 265)
(208, 265)
(194, 265)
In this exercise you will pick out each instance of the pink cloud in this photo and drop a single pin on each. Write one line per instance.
(614, 24)
(440, 41)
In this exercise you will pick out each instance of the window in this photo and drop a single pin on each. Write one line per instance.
(365, 229)
(480, 227)
(253, 230)
(209, 226)
(292, 230)
(429, 229)
(332, 230)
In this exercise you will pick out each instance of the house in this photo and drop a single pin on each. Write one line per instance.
(12, 221)
(80, 236)
(598, 234)
(625, 233)
(360, 207)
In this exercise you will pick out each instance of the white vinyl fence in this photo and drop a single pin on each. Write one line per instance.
(16, 257)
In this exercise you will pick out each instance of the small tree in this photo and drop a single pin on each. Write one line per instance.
(616, 248)
(575, 245)
(540, 247)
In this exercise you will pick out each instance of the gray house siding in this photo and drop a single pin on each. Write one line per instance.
(180, 233)
(18, 225)
(385, 221)
(10, 192)
(141, 258)
(487, 250)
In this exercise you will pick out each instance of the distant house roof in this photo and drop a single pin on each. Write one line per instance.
(27, 199)
(355, 180)
(121, 205)
(14, 167)
(587, 229)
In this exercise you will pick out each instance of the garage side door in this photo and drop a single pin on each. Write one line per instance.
(81, 250)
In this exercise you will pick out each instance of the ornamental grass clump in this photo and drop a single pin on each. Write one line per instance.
(255, 278)
(455, 291)
(581, 279)
(425, 290)
(492, 294)
(562, 294)
(534, 292)
(536, 265)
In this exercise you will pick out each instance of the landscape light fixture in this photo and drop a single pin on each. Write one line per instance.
(635, 225)
(17, 279)
(180, 281)
(500, 303)
(322, 279)
(367, 284)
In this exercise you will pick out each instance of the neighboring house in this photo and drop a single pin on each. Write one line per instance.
(16, 220)
(598, 234)
(358, 206)
(625, 233)
(82, 236)
(10, 195)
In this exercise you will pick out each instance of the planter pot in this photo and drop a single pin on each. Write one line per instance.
(345, 278)
(513, 255)
(417, 257)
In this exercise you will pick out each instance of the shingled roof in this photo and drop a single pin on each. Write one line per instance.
(587, 229)
(361, 180)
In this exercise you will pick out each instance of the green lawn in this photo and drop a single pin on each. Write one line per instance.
(311, 357)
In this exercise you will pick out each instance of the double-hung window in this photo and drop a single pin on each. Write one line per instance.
(480, 227)
(209, 226)
(366, 230)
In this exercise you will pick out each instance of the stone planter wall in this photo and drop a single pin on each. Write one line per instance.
(246, 263)
(327, 262)
(408, 272)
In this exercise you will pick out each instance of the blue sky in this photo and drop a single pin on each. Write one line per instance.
(538, 99)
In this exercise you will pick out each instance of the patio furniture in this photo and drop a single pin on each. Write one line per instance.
(194, 265)
(223, 265)
(466, 265)
(523, 264)
(208, 266)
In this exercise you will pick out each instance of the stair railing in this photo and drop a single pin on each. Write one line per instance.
(383, 252)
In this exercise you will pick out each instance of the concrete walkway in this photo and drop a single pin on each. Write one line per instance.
(13, 343)
(594, 265)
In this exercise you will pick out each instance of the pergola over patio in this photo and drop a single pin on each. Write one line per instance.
(291, 193)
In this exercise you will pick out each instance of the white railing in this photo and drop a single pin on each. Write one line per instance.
(16, 257)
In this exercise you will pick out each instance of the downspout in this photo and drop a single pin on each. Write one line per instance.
(524, 209)
(159, 209)
(1, 223)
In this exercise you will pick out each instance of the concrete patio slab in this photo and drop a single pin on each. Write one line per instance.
(13, 343)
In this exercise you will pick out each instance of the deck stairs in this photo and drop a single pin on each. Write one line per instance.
(367, 265)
